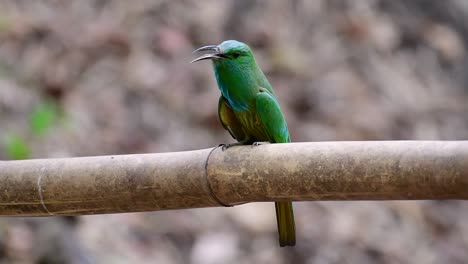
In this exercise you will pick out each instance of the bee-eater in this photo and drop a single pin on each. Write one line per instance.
(249, 110)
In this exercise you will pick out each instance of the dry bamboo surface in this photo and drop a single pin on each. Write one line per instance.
(369, 170)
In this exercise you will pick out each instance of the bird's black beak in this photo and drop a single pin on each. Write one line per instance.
(216, 55)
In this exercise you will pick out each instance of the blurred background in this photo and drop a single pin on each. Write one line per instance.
(112, 77)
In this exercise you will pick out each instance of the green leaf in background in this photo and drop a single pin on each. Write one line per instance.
(5, 23)
(16, 148)
(43, 117)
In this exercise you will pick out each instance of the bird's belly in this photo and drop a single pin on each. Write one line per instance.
(252, 126)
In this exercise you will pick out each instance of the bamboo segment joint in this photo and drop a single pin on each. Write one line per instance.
(39, 190)
(208, 178)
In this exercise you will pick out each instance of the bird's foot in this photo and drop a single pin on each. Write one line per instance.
(259, 143)
(226, 146)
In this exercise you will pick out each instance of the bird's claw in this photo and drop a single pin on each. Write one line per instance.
(255, 144)
(223, 146)
(259, 143)
(226, 146)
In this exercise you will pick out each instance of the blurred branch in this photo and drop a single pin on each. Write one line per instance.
(379, 170)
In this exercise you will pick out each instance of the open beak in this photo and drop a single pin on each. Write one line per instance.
(216, 55)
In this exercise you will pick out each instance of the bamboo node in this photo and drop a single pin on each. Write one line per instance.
(39, 190)
(208, 178)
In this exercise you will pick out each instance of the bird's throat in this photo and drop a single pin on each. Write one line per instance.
(237, 84)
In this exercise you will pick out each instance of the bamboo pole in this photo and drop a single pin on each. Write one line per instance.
(378, 170)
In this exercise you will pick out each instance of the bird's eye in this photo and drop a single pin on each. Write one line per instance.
(235, 54)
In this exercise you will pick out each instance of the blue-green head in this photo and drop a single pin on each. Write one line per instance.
(229, 52)
(237, 74)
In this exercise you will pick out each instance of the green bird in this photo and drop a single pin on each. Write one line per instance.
(249, 110)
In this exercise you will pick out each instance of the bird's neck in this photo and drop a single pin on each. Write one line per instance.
(238, 83)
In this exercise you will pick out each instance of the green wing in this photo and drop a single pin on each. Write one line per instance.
(271, 117)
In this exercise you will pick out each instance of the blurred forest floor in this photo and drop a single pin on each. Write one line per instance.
(107, 77)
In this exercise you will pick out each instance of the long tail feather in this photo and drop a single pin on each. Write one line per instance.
(286, 226)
